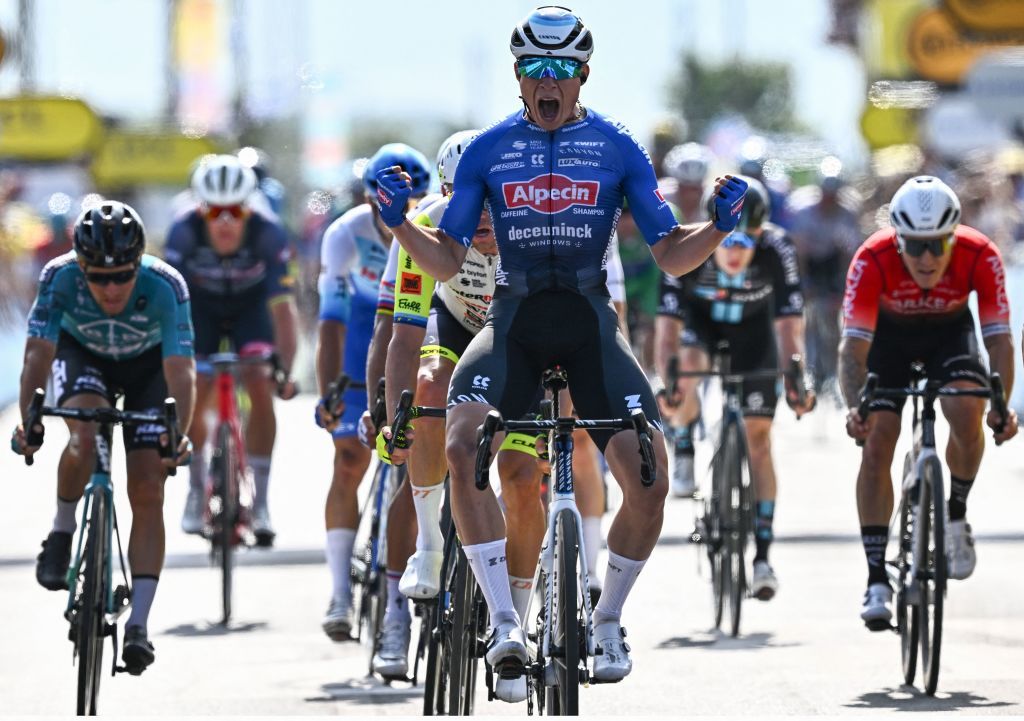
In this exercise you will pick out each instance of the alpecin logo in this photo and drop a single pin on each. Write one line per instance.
(550, 193)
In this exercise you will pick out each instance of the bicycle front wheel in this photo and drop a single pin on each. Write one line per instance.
(735, 503)
(563, 698)
(713, 514)
(906, 613)
(464, 588)
(932, 571)
(224, 470)
(90, 619)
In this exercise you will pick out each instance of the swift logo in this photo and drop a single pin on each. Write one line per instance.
(550, 194)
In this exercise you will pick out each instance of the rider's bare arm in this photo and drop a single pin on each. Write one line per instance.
(790, 332)
(685, 248)
(39, 354)
(853, 368)
(1000, 356)
(439, 255)
(666, 342)
(376, 357)
(180, 374)
(330, 349)
(284, 317)
(403, 363)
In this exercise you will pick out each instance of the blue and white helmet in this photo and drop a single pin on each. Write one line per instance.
(554, 31)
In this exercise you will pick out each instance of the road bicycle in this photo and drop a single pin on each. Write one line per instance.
(727, 521)
(565, 629)
(919, 570)
(94, 602)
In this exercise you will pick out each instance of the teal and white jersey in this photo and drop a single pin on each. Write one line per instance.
(157, 314)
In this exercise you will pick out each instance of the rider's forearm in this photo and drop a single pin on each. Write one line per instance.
(330, 349)
(1000, 357)
(376, 357)
(180, 375)
(685, 248)
(285, 319)
(39, 354)
(790, 332)
(853, 368)
(437, 254)
(666, 342)
(403, 363)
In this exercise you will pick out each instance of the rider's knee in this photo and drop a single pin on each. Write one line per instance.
(350, 461)
(431, 388)
(146, 491)
(518, 472)
(82, 443)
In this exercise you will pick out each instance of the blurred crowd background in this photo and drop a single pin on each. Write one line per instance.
(831, 103)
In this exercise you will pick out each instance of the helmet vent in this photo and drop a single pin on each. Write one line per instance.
(906, 220)
(945, 217)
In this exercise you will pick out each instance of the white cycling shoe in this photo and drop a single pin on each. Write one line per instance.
(195, 504)
(764, 585)
(612, 662)
(338, 621)
(422, 575)
(961, 557)
(877, 609)
(507, 645)
(510, 690)
(392, 657)
(683, 484)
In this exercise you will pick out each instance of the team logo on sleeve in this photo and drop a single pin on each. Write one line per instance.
(411, 284)
(550, 193)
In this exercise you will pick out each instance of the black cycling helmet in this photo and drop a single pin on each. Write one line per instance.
(109, 234)
(757, 205)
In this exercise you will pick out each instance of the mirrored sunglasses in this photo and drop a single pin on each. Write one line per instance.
(537, 68)
(215, 212)
(916, 247)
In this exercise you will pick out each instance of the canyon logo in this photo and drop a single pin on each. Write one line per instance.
(550, 193)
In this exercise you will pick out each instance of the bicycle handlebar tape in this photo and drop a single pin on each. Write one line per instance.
(648, 463)
(335, 391)
(867, 395)
(32, 436)
(796, 372)
(485, 435)
(401, 421)
(171, 421)
(380, 407)
(998, 400)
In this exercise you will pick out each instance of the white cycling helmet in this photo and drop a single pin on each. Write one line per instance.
(553, 31)
(223, 180)
(688, 163)
(924, 207)
(450, 153)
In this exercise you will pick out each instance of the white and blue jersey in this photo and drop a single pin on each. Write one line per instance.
(352, 257)
(555, 199)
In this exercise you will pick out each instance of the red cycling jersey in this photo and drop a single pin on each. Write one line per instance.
(878, 282)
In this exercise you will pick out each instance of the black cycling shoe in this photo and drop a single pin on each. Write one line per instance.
(138, 651)
(53, 561)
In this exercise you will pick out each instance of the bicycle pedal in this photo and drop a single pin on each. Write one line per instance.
(509, 669)
(879, 625)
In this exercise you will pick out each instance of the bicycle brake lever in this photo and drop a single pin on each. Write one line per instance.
(33, 437)
(171, 422)
(484, 437)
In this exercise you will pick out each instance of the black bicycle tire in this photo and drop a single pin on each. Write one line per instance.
(225, 460)
(460, 613)
(715, 541)
(906, 613)
(91, 618)
(736, 524)
(934, 588)
(434, 677)
(360, 572)
(563, 699)
(476, 627)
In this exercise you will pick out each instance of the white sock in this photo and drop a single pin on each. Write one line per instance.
(491, 570)
(143, 591)
(592, 546)
(197, 471)
(427, 500)
(65, 519)
(618, 581)
(339, 560)
(261, 475)
(398, 605)
(522, 589)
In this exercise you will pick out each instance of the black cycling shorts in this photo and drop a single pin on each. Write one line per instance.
(77, 370)
(445, 337)
(243, 323)
(522, 337)
(949, 352)
(751, 348)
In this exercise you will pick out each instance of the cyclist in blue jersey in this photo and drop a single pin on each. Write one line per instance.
(353, 256)
(235, 262)
(109, 320)
(555, 175)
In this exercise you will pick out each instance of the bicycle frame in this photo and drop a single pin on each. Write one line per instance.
(227, 404)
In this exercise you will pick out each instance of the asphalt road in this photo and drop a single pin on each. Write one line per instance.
(806, 652)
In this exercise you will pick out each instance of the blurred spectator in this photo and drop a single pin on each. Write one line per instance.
(754, 167)
(826, 233)
(687, 166)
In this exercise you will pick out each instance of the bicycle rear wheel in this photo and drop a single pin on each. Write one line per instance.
(224, 470)
(932, 572)
(90, 620)
(563, 697)
(735, 506)
(906, 613)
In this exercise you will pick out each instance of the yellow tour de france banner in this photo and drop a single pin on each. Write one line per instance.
(942, 50)
(47, 128)
(127, 158)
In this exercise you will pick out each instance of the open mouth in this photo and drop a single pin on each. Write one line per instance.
(548, 109)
